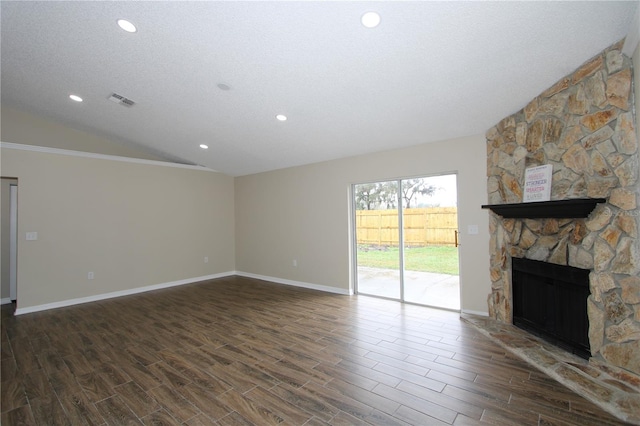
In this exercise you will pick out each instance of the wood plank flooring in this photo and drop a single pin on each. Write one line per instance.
(238, 351)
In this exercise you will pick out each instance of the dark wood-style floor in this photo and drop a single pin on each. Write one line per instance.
(238, 351)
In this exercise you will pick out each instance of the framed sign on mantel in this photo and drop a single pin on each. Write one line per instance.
(537, 183)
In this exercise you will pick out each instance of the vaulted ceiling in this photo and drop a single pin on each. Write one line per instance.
(218, 73)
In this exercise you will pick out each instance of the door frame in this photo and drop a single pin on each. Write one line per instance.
(10, 238)
(13, 242)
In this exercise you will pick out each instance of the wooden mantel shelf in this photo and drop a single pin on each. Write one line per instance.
(559, 209)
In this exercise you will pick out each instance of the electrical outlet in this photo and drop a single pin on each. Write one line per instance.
(472, 229)
(295, 263)
(90, 276)
(32, 236)
(206, 259)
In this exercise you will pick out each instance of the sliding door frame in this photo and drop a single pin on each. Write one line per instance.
(353, 252)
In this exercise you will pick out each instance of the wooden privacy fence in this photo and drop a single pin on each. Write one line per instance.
(422, 227)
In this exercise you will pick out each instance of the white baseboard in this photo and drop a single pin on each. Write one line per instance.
(97, 297)
(5, 301)
(302, 284)
(479, 313)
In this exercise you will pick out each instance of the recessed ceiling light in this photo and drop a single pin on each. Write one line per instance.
(127, 26)
(223, 86)
(75, 98)
(281, 117)
(203, 146)
(370, 19)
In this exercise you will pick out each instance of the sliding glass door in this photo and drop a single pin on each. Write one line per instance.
(377, 237)
(406, 240)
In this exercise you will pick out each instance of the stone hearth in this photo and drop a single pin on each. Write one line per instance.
(611, 388)
(583, 126)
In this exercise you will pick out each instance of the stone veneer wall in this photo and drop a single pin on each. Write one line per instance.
(584, 126)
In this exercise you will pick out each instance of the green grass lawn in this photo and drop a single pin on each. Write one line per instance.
(439, 259)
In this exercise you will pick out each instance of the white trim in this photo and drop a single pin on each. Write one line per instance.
(71, 153)
(5, 301)
(97, 297)
(319, 287)
(479, 313)
(633, 37)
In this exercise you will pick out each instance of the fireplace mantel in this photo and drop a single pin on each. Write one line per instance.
(558, 209)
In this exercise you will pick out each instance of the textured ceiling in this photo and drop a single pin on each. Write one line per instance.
(430, 71)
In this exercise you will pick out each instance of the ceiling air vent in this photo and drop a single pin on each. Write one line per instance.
(119, 99)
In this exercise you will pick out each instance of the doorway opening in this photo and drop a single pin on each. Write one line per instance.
(9, 232)
(406, 240)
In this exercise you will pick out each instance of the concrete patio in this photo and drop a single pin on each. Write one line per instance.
(424, 288)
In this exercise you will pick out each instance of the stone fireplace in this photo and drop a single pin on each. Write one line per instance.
(584, 126)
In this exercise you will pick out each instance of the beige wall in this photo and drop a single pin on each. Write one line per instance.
(24, 128)
(133, 225)
(4, 234)
(302, 213)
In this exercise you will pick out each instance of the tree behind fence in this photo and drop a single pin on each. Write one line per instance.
(422, 226)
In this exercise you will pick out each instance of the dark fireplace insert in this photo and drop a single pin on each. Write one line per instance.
(550, 301)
